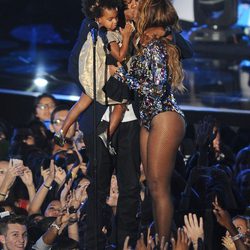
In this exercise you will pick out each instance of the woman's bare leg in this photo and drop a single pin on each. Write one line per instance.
(165, 136)
(143, 148)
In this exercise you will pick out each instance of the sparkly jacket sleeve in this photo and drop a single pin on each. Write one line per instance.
(148, 72)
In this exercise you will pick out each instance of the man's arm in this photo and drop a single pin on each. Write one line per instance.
(184, 46)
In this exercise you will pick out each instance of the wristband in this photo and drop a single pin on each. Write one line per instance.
(55, 226)
(237, 237)
(48, 187)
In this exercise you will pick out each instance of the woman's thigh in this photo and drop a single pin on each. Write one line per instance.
(143, 147)
(165, 136)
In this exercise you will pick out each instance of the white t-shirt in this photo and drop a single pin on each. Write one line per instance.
(129, 114)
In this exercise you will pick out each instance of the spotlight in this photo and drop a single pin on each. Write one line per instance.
(217, 18)
(40, 82)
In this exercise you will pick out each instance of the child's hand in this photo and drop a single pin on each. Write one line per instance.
(128, 30)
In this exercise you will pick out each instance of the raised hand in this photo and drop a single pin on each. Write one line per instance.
(114, 193)
(60, 175)
(10, 175)
(222, 216)
(193, 228)
(74, 202)
(27, 177)
(228, 243)
(152, 243)
(205, 134)
(182, 242)
(125, 245)
(44, 173)
(65, 192)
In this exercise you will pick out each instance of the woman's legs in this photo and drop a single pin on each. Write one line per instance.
(143, 147)
(164, 138)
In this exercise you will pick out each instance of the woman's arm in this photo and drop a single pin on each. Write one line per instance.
(27, 179)
(38, 200)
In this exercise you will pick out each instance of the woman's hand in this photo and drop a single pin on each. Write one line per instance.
(65, 192)
(27, 177)
(112, 69)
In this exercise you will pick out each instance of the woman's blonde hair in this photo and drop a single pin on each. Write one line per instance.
(161, 13)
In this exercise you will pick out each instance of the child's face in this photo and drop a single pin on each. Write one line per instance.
(108, 19)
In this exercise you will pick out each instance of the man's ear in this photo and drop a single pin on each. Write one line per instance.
(2, 239)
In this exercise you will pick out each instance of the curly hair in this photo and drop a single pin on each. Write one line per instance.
(94, 8)
(161, 13)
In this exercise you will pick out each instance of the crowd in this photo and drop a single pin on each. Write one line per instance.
(43, 188)
(153, 182)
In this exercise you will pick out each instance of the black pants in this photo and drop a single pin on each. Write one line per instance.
(127, 166)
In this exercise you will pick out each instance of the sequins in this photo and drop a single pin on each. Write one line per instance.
(148, 76)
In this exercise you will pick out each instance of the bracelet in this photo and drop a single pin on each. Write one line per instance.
(55, 226)
(48, 187)
(72, 221)
(237, 237)
(4, 195)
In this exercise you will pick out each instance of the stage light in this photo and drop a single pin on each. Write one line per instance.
(40, 82)
(216, 19)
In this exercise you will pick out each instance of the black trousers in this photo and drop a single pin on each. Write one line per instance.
(127, 166)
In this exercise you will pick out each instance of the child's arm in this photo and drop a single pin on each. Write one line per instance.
(119, 53)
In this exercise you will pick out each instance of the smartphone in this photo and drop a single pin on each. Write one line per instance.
(17, 162)
(45, 163)
(83, 153)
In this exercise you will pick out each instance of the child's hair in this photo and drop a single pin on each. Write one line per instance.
(94, 8)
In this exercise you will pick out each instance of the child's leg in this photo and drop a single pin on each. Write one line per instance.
(81, 105)
(116, 117)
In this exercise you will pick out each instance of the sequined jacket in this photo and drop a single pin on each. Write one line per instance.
(148, 76)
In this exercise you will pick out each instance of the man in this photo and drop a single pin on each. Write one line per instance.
(13, 233)
(126, 163)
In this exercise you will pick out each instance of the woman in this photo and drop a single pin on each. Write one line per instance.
(155, 72)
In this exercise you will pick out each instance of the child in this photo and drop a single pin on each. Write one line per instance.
(105, 13)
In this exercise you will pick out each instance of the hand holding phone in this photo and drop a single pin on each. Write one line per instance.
(17, 162)
(18, 165)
